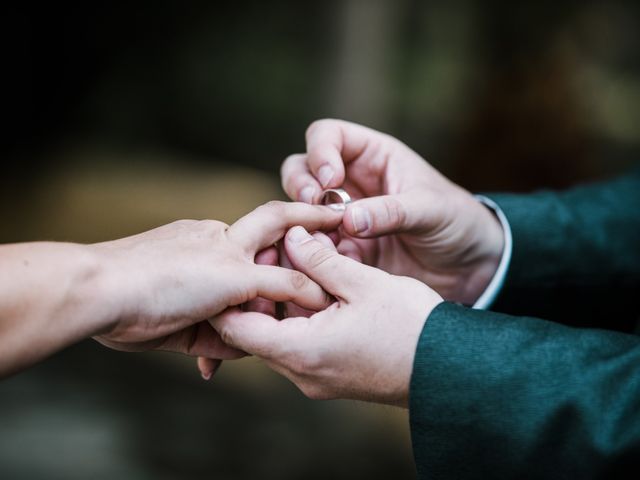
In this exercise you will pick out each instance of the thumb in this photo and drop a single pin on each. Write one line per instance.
(375, 216)
(257, 333)
(335, 273)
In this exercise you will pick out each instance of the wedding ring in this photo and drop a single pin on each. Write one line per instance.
(335, 198)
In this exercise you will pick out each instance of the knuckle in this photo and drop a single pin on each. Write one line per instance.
(291, 172)
(318, 124)
(273, 207)
(185, 222)
(320, 258)
(307, 363)
(298, 279)
(394, 212)
(291, 159)
(209, 228)
(315, 392)
(313, 126)
(210, 225)
(226, 335)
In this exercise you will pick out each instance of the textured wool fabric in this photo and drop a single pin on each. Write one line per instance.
(500, 396)
(576, 254)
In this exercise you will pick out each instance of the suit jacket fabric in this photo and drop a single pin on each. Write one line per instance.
(494, 395)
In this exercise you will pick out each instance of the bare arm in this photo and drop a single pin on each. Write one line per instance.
(51, 295)
(149, 291)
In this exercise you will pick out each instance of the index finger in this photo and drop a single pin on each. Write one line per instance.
(331, 144)
(297, 181)
(257, 333)
(268, 223)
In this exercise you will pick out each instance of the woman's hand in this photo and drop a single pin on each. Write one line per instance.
(166, 282)
(408, 219)
(360, 347)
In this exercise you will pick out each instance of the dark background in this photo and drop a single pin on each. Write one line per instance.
(122, 116)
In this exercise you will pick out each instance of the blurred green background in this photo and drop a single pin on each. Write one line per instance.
(120, 116)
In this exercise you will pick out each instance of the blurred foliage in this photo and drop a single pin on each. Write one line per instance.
(551, 87)
(123, 115)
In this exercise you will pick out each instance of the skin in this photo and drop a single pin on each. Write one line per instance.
(360, 347)
(152, 291)
(407, 219)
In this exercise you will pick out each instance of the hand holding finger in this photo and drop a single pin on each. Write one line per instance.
(268, 223)
(268, 256)
(390, 214)
(324, 265)
(290, 308)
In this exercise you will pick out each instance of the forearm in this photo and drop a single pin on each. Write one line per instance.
(51, 296)
(575, 253)
(508, 397)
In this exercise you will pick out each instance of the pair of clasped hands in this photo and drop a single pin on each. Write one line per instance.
(357, 285)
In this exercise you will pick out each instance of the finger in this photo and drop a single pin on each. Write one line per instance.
(200, 340)
(284, 285)
(349, 248)
(208, 367)
(338, 275)
(256, 333)
(291, 309)
(375, 216)
(331, 144)
(268, 256)
(324, 239)
(262, 305)
(268, 223)
(297, 181)
(334, 236)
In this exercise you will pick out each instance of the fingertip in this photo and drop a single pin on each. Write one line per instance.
(308, 194)
(357, 220)
(334, 236)
(208, 367)
(297, 180)
(298, 235)
(223, 317)
(268, 256)
(326, 165)
(325, 175)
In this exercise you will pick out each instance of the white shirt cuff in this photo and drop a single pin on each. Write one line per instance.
(490, 293)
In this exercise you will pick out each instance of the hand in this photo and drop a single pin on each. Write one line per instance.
(409, 219)
(167, 282)
(360, 347)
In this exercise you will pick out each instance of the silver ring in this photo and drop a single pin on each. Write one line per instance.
(335, 198)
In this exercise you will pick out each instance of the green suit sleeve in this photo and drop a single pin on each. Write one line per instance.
(576, 254)
(496, 396)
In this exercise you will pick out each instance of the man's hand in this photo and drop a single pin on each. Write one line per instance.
(409, 219)
(168, 281)
(360, 347)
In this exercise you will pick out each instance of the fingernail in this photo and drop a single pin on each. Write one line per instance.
(361, 219)
(306, 194)
(338, 207)
(299, 235)
(206, 375)
(325, 174)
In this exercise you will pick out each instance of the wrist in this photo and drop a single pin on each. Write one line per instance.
(426, 300)
(105, 288)
(54, 298)
(491, 291)
(490, 245)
